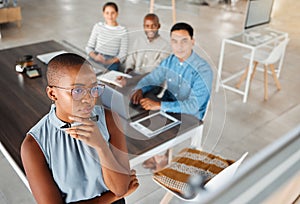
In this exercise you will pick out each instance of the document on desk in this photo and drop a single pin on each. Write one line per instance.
(46, 57)
(111, 77)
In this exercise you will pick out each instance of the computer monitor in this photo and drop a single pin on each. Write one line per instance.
(258, 13)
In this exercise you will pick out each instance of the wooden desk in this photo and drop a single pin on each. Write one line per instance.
(24, 102)
(140, 147)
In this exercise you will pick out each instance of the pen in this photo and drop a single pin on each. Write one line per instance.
(94, 118)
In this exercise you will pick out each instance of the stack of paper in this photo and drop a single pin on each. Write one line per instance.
(48, 56)
(111, 77)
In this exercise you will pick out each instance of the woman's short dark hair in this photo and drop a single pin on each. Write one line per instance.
(112, 4)
(58, 66)
(183, 26)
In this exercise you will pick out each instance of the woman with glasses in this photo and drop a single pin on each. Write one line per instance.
(76, 152)
(108, 42)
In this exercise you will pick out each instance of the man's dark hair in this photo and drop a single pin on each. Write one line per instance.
(112, 4)
(59, 65)
(152, 15)
(183, 26)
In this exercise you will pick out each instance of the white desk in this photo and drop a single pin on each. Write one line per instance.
(194, 134)
(253, 40)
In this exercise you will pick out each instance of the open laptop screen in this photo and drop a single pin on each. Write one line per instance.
(119, 103)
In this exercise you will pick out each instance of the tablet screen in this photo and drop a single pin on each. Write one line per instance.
(156, 122)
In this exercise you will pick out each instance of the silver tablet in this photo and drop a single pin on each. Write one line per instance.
(155, 123)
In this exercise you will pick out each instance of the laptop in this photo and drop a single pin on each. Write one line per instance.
(45, 58)
(120, 103)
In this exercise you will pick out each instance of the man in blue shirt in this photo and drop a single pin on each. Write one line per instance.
(189, 81)
(188, 76)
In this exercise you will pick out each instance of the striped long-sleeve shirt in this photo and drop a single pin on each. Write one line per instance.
(108, 40)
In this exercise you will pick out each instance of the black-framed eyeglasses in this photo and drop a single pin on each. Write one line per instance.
(78, 93)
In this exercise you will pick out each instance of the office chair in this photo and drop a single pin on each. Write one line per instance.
(217, 170)
(268, 59)
(221, 177)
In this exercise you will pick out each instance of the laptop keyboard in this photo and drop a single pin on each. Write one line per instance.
(135, 110)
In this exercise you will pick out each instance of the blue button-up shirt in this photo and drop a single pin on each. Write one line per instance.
(189, 81)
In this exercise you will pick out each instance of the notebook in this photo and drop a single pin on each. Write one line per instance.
(120, 103)
(46, 57)
(111, 76)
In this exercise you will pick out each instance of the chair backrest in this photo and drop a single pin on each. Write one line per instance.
(206, 110)
(221, 179)
(277, 52)
(225, 175)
